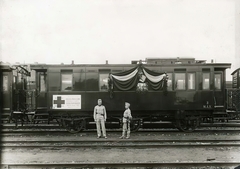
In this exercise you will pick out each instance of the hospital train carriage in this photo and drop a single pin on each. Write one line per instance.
(183, 91)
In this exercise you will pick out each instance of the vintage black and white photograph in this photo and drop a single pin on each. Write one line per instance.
(108, 84)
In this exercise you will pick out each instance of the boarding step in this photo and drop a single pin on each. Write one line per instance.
(5, 117)
(5, 120)
(220, 116)
(220, 113)
(219, 108)
(234, 114)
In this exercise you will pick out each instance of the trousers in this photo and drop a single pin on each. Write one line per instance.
(101, 122)
(126, 129)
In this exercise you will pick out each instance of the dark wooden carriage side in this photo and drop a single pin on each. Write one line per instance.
(195, 92)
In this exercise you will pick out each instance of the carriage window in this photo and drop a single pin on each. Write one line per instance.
(169, 82)
(92, 83)
(66, 81)
(218, 81)
(206, 81)
(191, 81)
(103, 82)
(180, 81)
(42, 83)
(19, 78)
(14, 82)
(5, 83)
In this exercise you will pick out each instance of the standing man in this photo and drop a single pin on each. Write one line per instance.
(100, 116)
(126, 121)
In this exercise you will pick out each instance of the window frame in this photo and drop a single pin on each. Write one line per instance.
(171, 88)
(5, 82)
(66, 72)
(99, 81)
(185, 87)
(209, 84)
(194, 84)
(221, 80)
(45, 80)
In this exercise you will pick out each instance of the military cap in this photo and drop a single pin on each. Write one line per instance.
(128, 104)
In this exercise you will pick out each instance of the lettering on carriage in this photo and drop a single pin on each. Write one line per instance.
(66, 102)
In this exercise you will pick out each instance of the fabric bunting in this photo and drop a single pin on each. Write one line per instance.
(125, 85)
(126, 77)
(154, 79)
(128, 80)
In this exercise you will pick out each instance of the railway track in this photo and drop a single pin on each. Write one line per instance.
(93, 145)
(127, 164)
(146, 125)
(120, 143)
(164, 131)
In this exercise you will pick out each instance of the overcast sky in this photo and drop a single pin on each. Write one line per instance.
(93, 31)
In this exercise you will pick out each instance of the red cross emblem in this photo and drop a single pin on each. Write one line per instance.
(59, 102)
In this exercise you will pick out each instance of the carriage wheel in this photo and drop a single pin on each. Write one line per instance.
(73, 126)
(186, 125)
(134, 125)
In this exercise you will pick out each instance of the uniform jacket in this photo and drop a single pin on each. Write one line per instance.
(99, 112)
(127, 115)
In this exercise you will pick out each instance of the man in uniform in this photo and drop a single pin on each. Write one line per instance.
(100, 116)
(126, 121)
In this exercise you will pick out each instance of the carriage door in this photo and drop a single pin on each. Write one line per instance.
(30, 91)
(218, 89)
(42, 90)
(6, 92)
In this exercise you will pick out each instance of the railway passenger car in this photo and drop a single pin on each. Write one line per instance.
(13, 95)
(183, 91)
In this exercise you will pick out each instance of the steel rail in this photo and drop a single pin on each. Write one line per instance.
(121, 144)
(125, 164)
(6, 132)
(118, 140)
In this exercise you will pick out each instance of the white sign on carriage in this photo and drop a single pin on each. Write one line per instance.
(66, 102)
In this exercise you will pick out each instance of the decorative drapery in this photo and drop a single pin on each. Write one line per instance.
(125, 77)
(128, 80)
(155, 80)
(124, 81)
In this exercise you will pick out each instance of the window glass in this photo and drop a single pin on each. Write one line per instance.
(14, 82)
(66, 81)
(19, 78)
(54, 81)
(5, 83)
(103, 82)
(42, 83)
(79, 81)
(19, 81)
(169, 82)
(206, 81)
(92, 82)
(218, 81)
(180, 81)
(191, 81)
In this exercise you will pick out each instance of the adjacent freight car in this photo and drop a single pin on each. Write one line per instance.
(236, 79)
(183, 91)
(233, 94)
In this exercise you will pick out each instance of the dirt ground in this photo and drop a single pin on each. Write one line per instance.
(124, 155)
